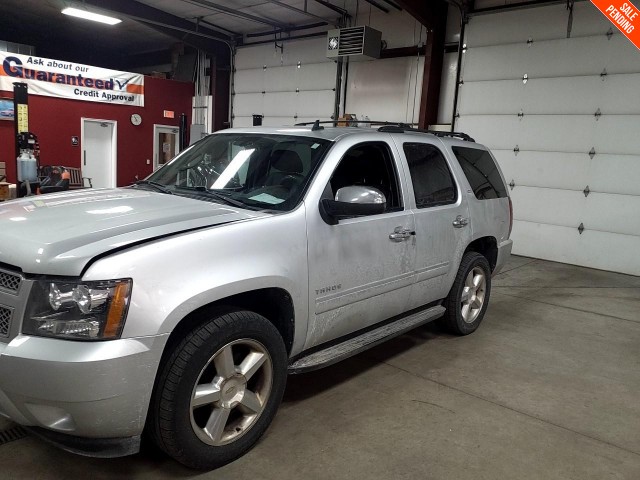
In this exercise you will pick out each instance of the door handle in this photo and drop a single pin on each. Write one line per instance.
(460, 222)
(400, 234)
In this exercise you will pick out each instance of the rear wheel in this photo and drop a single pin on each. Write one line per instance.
(219, 390)
(469, 296)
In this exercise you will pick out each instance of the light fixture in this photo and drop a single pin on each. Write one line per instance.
(96, 17)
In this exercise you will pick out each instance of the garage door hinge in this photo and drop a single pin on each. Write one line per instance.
(512, 184)
(586, 191)
(525, 78)
(516, 150)
(598, 114)
(520, 114)
(581, 228)
(529, 42)
(604, 74)
(592, 152)
(609, 33)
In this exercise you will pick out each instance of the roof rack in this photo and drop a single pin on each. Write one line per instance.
(390, 127)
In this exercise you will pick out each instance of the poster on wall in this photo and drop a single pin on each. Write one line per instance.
(6, 109)
(54, 78)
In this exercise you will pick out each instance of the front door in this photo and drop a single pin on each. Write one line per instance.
(359, 272)
(99, 152)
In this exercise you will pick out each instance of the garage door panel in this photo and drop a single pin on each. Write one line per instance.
(571, 57)
(320, 102)
(566, 245)
(508, 27)
(548, 205)
(541, 24)
(499, 97)
(248, 81)
(613, 213)
(281, 79)
(247, 104)
(500, 132)
(241, 122)
(316, 76)
(279, 104)
(615, 174)
(545, 169)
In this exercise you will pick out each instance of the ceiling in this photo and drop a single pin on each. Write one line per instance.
(150, 28)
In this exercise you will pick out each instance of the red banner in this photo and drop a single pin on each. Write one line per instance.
(624, 15)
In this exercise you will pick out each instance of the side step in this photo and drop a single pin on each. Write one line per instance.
(335, 353)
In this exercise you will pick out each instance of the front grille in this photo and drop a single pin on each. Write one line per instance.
(5, 321)
(10, 282)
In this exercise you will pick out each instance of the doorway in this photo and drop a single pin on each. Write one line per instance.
(99, 151)
(165, 144)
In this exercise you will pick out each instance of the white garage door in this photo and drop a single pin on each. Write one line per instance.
(292, 86)
(562, 116)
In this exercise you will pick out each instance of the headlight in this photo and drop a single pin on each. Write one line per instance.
(79, 311)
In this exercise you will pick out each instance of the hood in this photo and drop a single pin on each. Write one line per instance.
(59, 234)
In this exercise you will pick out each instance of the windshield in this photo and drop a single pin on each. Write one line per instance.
(244, 169)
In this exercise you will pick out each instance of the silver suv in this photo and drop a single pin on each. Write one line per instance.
(175, 308)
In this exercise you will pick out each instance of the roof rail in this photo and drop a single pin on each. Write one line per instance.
(389, 127)
(401, 129)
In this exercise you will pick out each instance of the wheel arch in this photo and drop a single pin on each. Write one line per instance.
(487, 247)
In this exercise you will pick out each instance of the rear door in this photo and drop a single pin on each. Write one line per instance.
(441, 216)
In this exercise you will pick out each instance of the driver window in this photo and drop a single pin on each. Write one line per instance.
(369, 164)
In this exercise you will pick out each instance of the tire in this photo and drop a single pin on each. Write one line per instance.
(467, 301)
(219, 390)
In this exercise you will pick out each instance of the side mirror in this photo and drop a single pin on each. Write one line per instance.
(353, 201)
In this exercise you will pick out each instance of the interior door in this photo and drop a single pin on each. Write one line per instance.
(98, 156)
(443, 227)
(359, 274)
(165, 145)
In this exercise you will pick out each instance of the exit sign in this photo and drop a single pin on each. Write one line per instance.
(169, 114)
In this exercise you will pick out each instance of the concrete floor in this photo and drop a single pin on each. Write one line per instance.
(548, 388)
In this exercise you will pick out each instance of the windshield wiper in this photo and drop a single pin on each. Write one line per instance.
(158, 186)
(216, 195)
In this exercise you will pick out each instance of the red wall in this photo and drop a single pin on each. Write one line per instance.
(56, 120)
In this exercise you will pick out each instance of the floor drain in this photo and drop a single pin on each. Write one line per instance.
(13, 433)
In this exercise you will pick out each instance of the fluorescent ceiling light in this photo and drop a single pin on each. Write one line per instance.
(96, 17)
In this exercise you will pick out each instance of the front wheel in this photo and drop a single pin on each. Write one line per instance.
(469, 296)
(219, 390)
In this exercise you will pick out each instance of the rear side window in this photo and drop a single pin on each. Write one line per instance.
(433, 183)
(482, 172)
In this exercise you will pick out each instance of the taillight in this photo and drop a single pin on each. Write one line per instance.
(510, 217)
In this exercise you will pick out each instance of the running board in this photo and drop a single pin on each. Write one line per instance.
(335, 353)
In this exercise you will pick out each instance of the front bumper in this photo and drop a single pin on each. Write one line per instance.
(504, 251)
(98, 390)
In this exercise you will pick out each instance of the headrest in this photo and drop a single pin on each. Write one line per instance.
(287, 161)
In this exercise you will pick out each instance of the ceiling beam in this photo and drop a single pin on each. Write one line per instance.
(333, 23)
(141, 12)
(377, 5)
(238, 13)
(331, 6)
(428, 13)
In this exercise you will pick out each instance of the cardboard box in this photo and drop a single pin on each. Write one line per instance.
(5, 193)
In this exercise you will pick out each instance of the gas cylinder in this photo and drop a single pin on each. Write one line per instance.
(27, 167)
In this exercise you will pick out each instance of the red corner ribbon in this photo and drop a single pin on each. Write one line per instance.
(624, 15)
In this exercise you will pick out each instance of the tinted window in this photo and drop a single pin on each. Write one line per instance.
(432, 180)
(369, 164)
(482, 172)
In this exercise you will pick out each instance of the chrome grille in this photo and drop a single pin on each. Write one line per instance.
(5, 321)
(10, 282)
